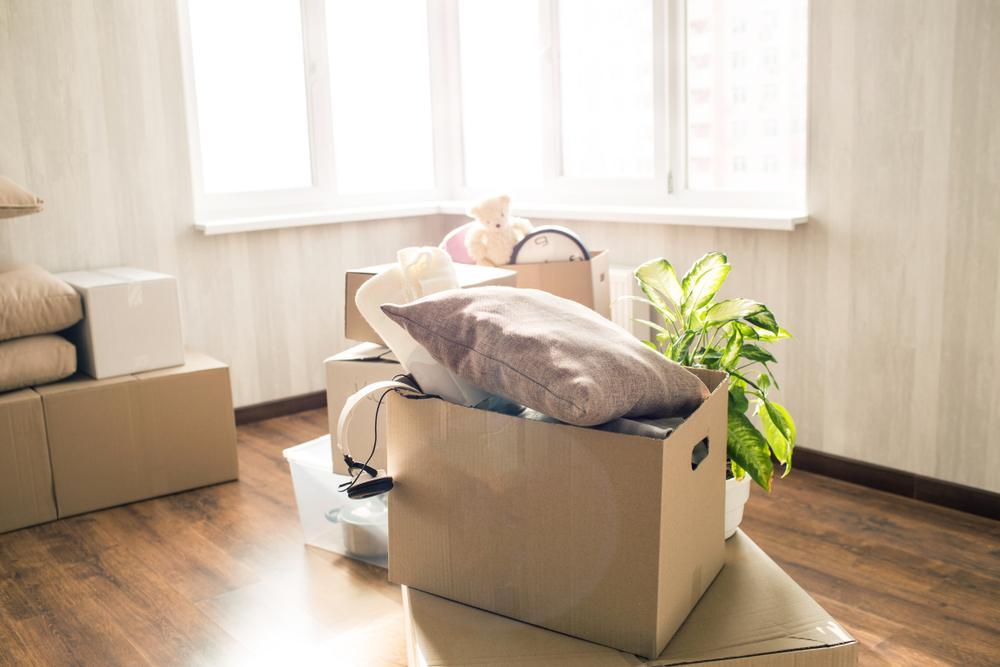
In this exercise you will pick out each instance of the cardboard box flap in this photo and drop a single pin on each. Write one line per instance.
(78, 382)
(709, 377)
(752, 609)
(364, 352)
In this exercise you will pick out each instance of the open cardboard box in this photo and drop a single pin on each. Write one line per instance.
(603, 536)
(585, 282)
(752, 615)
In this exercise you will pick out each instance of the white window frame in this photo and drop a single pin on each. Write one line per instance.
(664, 197)
(321, 197)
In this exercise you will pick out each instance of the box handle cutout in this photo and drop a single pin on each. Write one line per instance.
(699, 453)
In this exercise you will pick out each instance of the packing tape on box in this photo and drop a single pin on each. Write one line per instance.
(134, 295)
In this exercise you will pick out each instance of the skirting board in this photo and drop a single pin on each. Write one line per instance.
(280, 407)
(890, 480)
(900, 483)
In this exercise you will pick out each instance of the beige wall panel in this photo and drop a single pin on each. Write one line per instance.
(891, 289)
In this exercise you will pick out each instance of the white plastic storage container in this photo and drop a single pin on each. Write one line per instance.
(330, 520)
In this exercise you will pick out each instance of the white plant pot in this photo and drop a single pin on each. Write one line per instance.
(737, 494)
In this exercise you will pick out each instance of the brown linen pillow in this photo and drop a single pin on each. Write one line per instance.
(549, 354)
(33, 301)
(35, 360)
(15, 200)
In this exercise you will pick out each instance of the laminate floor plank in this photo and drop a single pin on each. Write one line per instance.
(219, 576)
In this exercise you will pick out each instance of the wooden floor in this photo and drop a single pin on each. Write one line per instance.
(220, 577)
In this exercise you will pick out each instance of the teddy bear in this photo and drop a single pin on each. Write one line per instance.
(491, 242)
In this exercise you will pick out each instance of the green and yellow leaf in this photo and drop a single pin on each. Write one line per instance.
(659, 275)
(732, 351)
(779, 431)
(765, 320)
(749, 450)
(732, 309)
(753, 352)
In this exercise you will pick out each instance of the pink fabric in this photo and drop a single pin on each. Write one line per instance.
(454, 244)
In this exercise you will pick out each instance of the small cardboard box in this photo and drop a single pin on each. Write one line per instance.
(346, 373)
(753, 615)
(139, 436)
(131, 321)
(357, 328)
(584, 282)
(25, 475)
(603, 536)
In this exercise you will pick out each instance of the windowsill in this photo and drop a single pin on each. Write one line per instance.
(778, 219)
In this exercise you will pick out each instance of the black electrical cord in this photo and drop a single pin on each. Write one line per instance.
(347, 486)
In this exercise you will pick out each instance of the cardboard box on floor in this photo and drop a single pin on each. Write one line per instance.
(356, 327)
(139, 436)
(131, 321)
(753, 615)
(25, 475)
(584, 282)
(604, 536)
(346, 373)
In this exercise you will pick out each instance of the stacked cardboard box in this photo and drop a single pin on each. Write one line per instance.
(25, 473)
(753, 615)
(85, 444)
(131, 321)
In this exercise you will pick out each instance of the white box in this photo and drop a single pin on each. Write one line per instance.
(131, 321)
(324, 510)
(346, 373)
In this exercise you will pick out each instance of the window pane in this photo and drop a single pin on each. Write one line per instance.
(606, 75)
(746, 78)
(501, 96)
(252, 120)
(380, 88)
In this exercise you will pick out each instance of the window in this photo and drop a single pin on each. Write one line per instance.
(326, 105)
(242, 89)
(764, 97)
(501, 95)
(381, 112)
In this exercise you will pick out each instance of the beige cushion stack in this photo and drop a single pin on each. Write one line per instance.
(33, 306)
(15, 200)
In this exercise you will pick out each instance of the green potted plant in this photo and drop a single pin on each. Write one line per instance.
(732, 335)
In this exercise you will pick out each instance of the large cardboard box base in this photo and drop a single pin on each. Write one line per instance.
(585, 282)
(356, 327)
(603, 536)
(131, 321)
(753, 615)
(346, 373)
(25, 474)
(139, 436)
